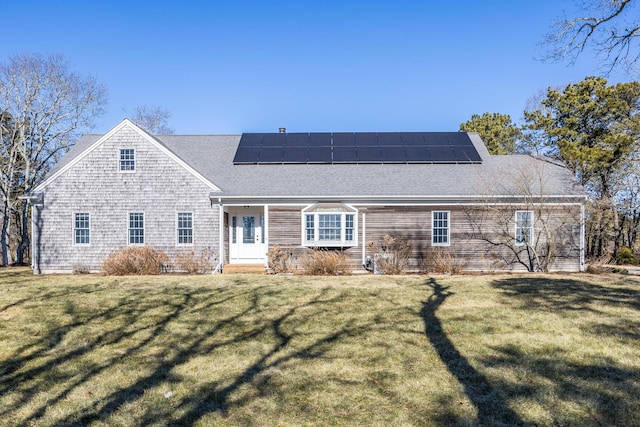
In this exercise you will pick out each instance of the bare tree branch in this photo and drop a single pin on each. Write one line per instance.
(610, 27)
(44, 106)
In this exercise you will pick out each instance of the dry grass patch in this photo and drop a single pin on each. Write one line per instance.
(358, 350)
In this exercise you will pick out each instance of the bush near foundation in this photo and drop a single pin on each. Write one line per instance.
(279, 260)
(440, 260)
(325, 262)
(391, 255)
(194, 262)
(135, 261)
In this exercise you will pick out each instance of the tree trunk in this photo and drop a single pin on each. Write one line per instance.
(4, 239)
(24, 243)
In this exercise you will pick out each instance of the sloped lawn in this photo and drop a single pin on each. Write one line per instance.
(369, 350)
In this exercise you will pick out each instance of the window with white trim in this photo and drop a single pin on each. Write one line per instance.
(136, 228)
(81, 228)
(185, 228)
(127, 160)
(329, 224)
(440, 228)
(524, 228)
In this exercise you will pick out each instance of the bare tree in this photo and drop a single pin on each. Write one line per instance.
(521, 221)
(610, 27)
(44, 107)
(152, 118)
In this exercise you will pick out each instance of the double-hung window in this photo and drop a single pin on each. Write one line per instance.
(524, 228)
(136, 228)
(440, 228)
(185, 228)
(81, 229)
(331, 224)
(127, 160)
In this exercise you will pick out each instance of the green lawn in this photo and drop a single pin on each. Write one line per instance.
(292, 350)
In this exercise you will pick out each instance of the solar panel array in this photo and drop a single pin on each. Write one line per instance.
(356, 147)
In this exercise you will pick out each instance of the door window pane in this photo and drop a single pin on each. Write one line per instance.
(248, 229)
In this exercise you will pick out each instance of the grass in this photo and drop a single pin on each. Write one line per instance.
(360, 350)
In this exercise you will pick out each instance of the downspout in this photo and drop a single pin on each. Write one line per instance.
(218, 268)
(366, 262)
(33, 238)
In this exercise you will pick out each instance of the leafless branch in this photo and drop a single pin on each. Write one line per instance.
(610, 27)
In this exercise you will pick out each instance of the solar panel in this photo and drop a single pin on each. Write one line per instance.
(274, 139)
(465, 154)
(320, 139)
(345, 154)
(389, 138)
(418, 154)
(297, 140)
(394, 154)
(436, 139)
(370, 154)
(343, 139)
(459, 138)
(358, 147)
(319, 155)
(271, 155)
(412, 138)
(295, 155)
(442, 154)
(251, 139)
(365, 139)
(246, 155)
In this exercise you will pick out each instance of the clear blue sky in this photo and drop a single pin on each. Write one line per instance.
(245, 66)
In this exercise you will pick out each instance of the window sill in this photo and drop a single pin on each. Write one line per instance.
(329, 244)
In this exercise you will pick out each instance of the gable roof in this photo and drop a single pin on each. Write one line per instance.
(210, 157)
(213, 156)
(88, 143)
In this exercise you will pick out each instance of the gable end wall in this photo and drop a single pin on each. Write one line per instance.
(159, 187)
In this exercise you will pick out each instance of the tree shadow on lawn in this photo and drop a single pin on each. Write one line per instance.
(554, 294)
(609, 389)
(136, 334)
(490, 403)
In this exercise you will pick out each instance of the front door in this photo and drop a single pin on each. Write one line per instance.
(246, 236)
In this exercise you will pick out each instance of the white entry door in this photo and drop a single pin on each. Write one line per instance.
(246, 236)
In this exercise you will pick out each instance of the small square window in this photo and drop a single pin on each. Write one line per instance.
(127, 160)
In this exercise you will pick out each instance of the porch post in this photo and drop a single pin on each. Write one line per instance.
(265, 233)
(221, 232)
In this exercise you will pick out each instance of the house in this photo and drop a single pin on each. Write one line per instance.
(241, 195)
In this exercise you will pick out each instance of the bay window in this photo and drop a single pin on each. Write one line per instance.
(329, 224)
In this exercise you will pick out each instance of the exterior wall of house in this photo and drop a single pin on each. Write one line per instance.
(468, 250)
(159, 187)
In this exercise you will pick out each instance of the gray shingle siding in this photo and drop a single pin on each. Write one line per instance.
(159, 188)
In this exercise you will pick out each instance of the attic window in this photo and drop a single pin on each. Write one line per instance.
(329, 225)
(127, 160)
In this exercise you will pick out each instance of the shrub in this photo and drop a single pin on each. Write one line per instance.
(135, 260)
(626, 256)
(392, 256)
(279, 260)
(440, 260)
(80, 268)
(196, 262)
(324, 262)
